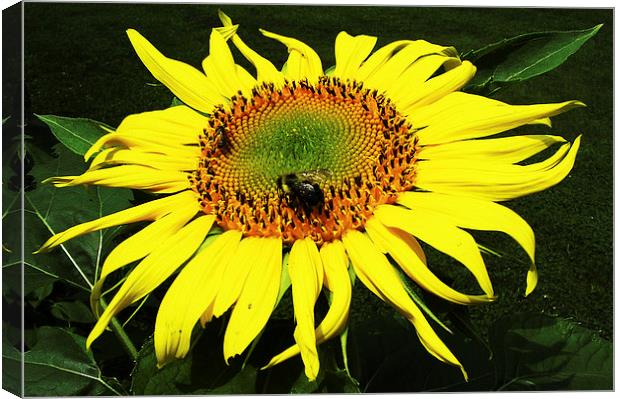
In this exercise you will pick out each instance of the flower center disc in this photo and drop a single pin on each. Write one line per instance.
(304, 160)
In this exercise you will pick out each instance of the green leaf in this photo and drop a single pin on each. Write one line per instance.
(38, 295)
(49, 210)
(11, 367)
(303, 385)
(76, 312)
(536, 352)
(331, 379)
(147, 379)
(241, 383)
(523, 57)
(336, 381)
(59, 365)
(77, 134)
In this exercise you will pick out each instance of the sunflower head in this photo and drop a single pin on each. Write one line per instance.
(342, 171)
(303, 160)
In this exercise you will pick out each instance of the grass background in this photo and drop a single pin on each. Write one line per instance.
(79, 63)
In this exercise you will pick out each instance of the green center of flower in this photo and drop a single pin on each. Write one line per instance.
(303, 160)
(297, 140)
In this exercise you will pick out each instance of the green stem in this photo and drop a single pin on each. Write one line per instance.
(120, 333)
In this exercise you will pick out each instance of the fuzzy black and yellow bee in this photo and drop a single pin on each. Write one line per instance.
(304, 188)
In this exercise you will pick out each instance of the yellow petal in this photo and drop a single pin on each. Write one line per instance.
(436, 112)
(306, 271)
(335, 264)
(351, 51)
(460, 116)
(495, 181)
(154, 269)
(236, 274)
(128, 176)
(425, 67)
(186, 82)
(375, 272)
(400, 246)
(265, 70)
(247, 81)
(190, 294)
(387, 75)
(257, 298)
(142, 140)
(220, 67)
(439, 86)
(440, 234)
(471, 213)
(376, 62)
(414, 77)
(180, 123)
(303, 61)
(140, 245)
(227, 31)
(148, 211)
(119, 156)
(505, 149)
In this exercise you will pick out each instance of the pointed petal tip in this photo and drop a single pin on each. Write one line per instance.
(465, 376)
(267, 33)
(228, 357)
(529, 288)
(132, 33)
(89, 340)
(91, 151)
(225, 19)
(47, 245)
(277, 359)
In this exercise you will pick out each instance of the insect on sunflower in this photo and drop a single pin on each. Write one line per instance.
(311, 173)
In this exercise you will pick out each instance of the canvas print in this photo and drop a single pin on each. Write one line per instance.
(205, 199)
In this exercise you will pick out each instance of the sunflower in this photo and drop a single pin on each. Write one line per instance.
(309, 176)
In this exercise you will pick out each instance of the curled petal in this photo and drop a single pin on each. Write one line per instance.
(185, 81)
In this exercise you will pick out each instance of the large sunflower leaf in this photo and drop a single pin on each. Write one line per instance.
(77, 134)
(59, 365)
(523, 57)
(49, 210)
(536, 352)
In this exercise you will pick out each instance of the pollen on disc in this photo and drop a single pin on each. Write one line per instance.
(343, 144)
